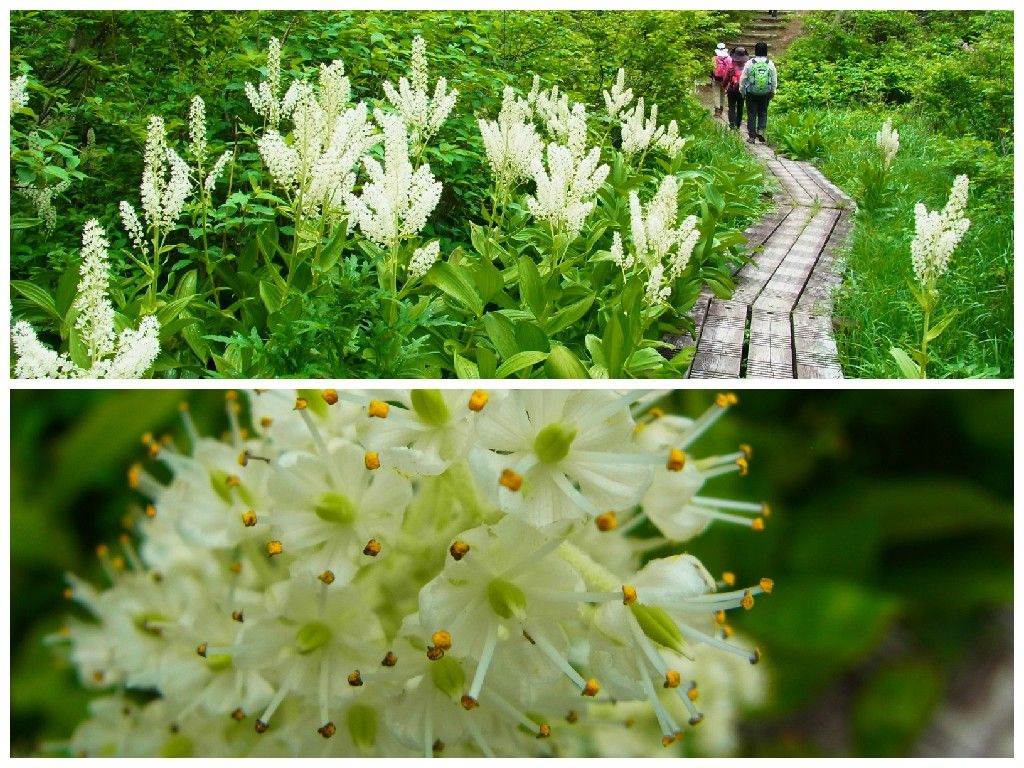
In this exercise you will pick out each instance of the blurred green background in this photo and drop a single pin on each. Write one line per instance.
(890, 541)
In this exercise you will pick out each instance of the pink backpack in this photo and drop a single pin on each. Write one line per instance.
(721, 66)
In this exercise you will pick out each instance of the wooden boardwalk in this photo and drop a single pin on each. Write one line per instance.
(778, 323)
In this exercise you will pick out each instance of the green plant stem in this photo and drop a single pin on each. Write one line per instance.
(924, 343)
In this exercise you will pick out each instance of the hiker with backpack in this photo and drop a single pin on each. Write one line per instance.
(732, 87)
(720, 68)
(758, 85)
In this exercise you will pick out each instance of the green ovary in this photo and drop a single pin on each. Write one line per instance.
(448, 677)
(335, 508)
(552, 443)
(506, 598)
(312, 635)
(430, 406)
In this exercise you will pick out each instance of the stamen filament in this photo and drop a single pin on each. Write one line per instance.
(703, 423)
(751, 656)
(552, 653)
(574, 495)
(738, 506)
(724, 516)
(485, 661)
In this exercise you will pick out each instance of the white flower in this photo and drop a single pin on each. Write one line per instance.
(938, 233)
(511, 142)
(888, 142)
(422, 113)
(95, 312)
(619, 97)
(35, 359)
(216, 171)
(656, 239)
(42, 199)
(197, 130)
(566, 188)
(396, 201)
(640, 132)
(423, 259)
(132, 225)
(281, 160)
(165, 179)
(19, 92)
(671, 142)
(264, 97)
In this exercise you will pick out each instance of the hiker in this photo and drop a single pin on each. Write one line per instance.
(758, 84)
(732, 87)
(720, 67)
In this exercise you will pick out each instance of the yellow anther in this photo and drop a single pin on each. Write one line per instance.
(150, 510)
(668, 741)
(201, 649)
(766, 511)
(249, 519)
(729, 578)
(134, 474)
(243, 459)
(628, 594)
(692, 693)
(355, 679)
(459, 549)
(237, 616)
(676, 460)
(327, 730)
(478, 400)
(301, 404)
(147, 438)
(747, 450)
(232, 481)
(266, 421)
(434, 653)
(468, 703)
(591, 688)
(442, 639)
(639, 427)
(154, 450)
(672, 679)
(274, 548)
(68, 593)
(238, 714)
(183, 407)
(261, 727)
(330, 396)
(744, 466)
(511, 479)
(727, 631)
(722, 400)
(372, 548)
(378, 409)
(720, 617)
(747, 601)
(607, 521)
(235, 567)
(544, 731)
(572, 717)
(767, 585)
(98, 676)
(656, 412)
(389, 659)
(371, 460)
(437, 746)
(231, 396)
(757, 523)
(327, 577)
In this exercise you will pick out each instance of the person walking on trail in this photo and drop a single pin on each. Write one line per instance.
(720, 67)
(732, 86)
(758, 84)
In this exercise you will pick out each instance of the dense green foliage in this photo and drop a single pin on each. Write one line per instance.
(889, 560)
(946, 80)
(227, 303)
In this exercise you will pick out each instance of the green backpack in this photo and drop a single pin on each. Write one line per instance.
(760, 78)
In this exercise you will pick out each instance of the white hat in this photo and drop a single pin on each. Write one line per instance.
(721, 50)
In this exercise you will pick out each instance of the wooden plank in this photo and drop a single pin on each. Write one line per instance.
(770, 351)
(814, 347)
(720, 347)
(784, 289)
(816, 297)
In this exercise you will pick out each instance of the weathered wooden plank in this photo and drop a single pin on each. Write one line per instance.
(783, 290)
(814, 347)
(816, 297)
(770, 350)
(720, 347)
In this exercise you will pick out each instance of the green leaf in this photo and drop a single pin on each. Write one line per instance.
(518, 362)
(566, 316)
(488, 279)
(455, 283)
(67, 289)
(908, 368)
(936, 330)
(173, 309)
(530, 286)
(266, 239)
(529, 337)
(502, 334)
(465, 369)
(272, 294)
(37, 296)
(331, 252)
(563, 364)
(486, 362)
(613, 344)
(187, 284)
(895, 705)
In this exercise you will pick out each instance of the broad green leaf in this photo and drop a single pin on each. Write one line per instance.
(488, 279)
(908, 368)
(613, 344)
(331, 252)
(37, 296)
(529, 337)
(895, 705)
(936, 330)
(172, 309)
(518, 362)
(455, 282)
(187, 284)
(530, 286)
(272, 294)
(465, 369)
(566, 316)
(563, 364)
(502, 334)
(486, 362)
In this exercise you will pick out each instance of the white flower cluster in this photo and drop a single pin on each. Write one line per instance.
(619, 97)
(264, 97)
(125, 356)
(938, 235)
(888, 142)
(417, 573)
(19, 92)
(423, 259)
(396, 200)
(165, 179)
(659, 246)
(42, 200)
(511, 142)
(197, 130)
(640, 131)
(423, 115)
(566, 188)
